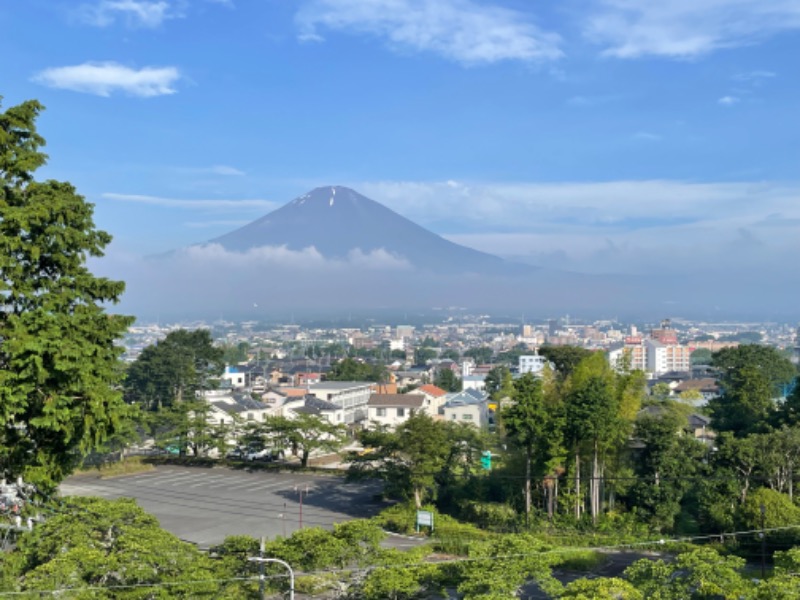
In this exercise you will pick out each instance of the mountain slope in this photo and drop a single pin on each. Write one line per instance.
(338, 221)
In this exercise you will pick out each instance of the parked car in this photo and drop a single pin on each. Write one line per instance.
(236, 454)
(265, 454)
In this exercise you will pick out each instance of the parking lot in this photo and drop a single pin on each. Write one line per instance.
(205, 505)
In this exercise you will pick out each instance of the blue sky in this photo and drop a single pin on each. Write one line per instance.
(592, 135)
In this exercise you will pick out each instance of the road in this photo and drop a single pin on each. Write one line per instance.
(204, 505)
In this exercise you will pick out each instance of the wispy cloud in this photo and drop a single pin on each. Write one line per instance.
(464, 31)
(754, 77)
(222, 204)
(728, 100)
(649, 224)
(134, 13)
(226, 170)
(686, 28)
(220, 223)
(105, 78)
(283, 257)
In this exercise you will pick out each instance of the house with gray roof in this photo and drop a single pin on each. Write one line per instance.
(391, 410)
(470, 407)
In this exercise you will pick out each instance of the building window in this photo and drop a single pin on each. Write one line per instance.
(250, 416)
(467, 417)
(381, 412)
(222, 421)
(401, 412)
(454, 417)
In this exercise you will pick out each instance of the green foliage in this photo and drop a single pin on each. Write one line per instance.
(499, 383)
(174, 369)
(603, 587)
(779, 511)
(702, 573)
(747, 401)
(768, 361)
(500, 566)
(743, 337)
(447, 380)
(350, 369)
(233, 354)
(701, 356)
(104, 543)
(565, 359)
(422, 354)
(304, 434)
(398, 578)
(482, 355)
(450, 354)
(665, 467)
(59, 362)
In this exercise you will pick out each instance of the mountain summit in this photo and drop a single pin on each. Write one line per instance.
(338, 221)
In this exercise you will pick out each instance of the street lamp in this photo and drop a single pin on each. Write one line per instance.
(258, 559)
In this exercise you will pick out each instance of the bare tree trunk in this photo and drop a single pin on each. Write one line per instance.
(594, 488)
(418, 497)
(791, 483)
(578, 498)
(527, 489)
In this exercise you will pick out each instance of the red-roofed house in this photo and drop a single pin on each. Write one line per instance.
(435, 397)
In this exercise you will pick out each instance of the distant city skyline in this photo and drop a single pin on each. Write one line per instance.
(631, 138)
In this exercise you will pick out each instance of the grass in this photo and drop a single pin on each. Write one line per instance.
(127, 466)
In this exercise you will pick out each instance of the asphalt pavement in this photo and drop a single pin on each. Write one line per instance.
(203, 506)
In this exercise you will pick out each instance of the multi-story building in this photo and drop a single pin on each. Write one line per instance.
(531, 364)
(351, 396)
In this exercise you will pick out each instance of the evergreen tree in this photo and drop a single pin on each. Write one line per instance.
(59, 362)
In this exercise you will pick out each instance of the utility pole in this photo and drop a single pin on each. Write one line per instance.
(301, 492)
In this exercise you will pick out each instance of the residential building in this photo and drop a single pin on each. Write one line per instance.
(312, 405)
(532, 364)
(467, 407)
(391, 410)
(435, 399)
(350, 396)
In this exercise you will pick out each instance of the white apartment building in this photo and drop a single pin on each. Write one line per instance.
(351, 396)
(531, 364)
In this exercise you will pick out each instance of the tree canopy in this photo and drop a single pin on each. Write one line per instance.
(59, 361)
(174, 369)
(350, 369)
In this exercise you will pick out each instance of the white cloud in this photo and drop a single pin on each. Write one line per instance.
(728, 100)
(686, 28)
(626, 226)
(135, 13)
(465, 31)
(226, 170)
(105, 78)
(285, 258)
(223, 204)
(754, 76)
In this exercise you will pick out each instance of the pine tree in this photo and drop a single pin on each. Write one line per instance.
(59, 362)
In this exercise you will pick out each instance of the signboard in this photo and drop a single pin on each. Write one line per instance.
(424, 519)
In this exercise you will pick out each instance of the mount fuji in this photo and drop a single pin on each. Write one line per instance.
(339, 223)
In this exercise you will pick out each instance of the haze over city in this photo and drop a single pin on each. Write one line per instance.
(645, 146)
